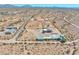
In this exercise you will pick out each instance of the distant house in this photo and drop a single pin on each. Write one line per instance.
(48, 35)
(10, 30)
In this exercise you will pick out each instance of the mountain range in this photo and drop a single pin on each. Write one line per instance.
(13, 6)
(36, 6)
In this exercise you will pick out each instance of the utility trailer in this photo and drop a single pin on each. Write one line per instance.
(46, 31)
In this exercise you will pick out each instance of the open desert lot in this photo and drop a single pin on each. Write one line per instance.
(39, 31)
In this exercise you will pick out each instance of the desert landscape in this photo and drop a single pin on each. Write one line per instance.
(39, 31)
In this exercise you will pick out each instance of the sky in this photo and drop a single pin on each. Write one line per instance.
(53, 5)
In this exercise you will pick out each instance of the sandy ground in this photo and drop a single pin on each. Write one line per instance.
(56, 17)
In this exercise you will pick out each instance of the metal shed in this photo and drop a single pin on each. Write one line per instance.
(54, 36)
